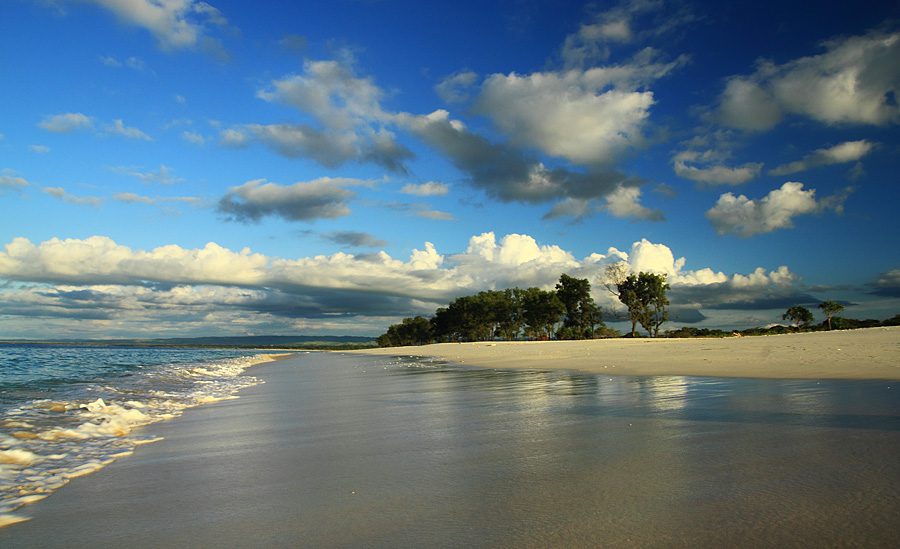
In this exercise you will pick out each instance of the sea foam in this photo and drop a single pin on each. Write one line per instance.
(44, 443)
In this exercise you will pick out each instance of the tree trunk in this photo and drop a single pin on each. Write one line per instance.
(633, 328)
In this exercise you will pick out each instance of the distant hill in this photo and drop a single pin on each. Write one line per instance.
(222, 341)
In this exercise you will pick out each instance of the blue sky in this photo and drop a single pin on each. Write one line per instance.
(178, 167)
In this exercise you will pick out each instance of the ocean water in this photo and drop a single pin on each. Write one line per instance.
(66, 411)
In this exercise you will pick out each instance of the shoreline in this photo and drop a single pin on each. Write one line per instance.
(865, 354)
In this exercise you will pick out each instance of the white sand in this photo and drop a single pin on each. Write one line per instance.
(872, 353)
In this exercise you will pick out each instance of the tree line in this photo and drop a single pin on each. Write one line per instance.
(567, 312)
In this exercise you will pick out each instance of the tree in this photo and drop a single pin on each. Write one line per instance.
(830, 308)
(656, 308)
(581, 313)
(412, 331)
(798, 315)
(541, 310)
(644, 295)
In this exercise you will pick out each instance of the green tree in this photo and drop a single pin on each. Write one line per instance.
(830, 308)
(798, 315)
(412, 331)
(644, 295)
(541, 310)
(581, 313)
(656, 304)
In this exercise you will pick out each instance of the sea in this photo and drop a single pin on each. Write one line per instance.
(67, 411)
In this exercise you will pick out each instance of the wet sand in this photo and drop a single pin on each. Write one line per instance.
(335, 450)
(872, 353)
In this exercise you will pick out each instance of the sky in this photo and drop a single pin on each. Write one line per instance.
(186, 168)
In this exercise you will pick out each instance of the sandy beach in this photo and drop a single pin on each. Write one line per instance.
(348, 450)
(872, 353)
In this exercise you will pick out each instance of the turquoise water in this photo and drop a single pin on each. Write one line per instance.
(68, 411)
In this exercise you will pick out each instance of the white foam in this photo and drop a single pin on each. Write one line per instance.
(18, 457)
(6, 519)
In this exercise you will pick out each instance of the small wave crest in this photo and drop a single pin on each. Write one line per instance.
(44, 443)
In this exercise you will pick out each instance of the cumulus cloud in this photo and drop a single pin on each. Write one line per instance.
(62, 194)
(351, 122)
(233, 138)
(848, 151)
(119, 128)
(176, 24)
(590, 117)
(429, 188)
(777, 210)
(701, 166)
(97, 278)
(66, 122)
(457, 87)
(503, 171)
(303, 201)
(851, 82)
(625, 202)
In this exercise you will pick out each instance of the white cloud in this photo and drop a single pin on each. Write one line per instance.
(62, 194)
(8, 180)
(132, 198)
(193, 137)
(176, 24)
(66, 122)
(134, 63)
(851, 82)
(164, 175)
(456, 88)
(233, 138)
(97, 278)
(437, 215)
(628, 22)
(351, 122)
(626, 202)
(429, 188)
(303, 201)
(710, 173)
(848, 151)
(589, 117)
(39, 149)
(746, 217)
(119, 128)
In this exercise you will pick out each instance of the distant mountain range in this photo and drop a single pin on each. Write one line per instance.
(224, 341)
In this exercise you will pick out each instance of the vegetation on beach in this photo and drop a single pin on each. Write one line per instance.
(569, 312)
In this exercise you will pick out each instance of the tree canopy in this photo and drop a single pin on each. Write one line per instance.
(829, 309)
(569, 312)
(644, 295)
(798, 315)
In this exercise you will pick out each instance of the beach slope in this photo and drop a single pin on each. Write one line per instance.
(872, 353)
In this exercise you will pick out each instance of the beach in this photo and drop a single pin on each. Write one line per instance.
(340, 450)
(871, 353)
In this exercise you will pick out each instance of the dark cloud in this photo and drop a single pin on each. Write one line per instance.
(354, 239)
(506, 172)
(322, 198)
(887, 285)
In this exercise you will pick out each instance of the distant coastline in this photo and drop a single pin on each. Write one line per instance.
(296, 343)
(868, 353)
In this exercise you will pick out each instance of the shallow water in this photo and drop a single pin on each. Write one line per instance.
(354, 451)
(67, 411)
